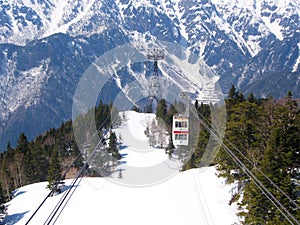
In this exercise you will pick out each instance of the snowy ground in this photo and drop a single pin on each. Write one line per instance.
(193, 197)
(142, 165)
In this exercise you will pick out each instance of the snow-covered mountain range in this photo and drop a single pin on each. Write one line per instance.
(246, 22)
(46, 45)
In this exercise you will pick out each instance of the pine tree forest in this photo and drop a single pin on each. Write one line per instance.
(263, 133)
(265, 136)
(45, 158)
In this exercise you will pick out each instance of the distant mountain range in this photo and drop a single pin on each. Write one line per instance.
(46, 45)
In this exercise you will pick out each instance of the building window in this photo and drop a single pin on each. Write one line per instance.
(181, 124)
(181, 137)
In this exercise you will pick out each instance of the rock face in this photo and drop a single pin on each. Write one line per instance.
(46, 45)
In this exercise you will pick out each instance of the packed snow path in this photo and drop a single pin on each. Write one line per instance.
(142, 164)
(194, 197)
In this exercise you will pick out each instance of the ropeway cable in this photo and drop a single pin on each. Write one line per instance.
(63, 198)
(83, 169)
(264, 190)
(74, 189)
(80, 175)
(250, 174)
(207, 215)
(50, 193)
(258, 183)
(61, 178)
(58, 206)
(256, 168)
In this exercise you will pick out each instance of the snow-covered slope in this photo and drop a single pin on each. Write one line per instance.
(193, 197)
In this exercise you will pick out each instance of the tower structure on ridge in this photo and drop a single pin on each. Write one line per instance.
(154, 94)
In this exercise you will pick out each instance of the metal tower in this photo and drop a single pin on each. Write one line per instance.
(154, 85)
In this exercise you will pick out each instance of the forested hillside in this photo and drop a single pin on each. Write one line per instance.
(263, 133)
(40, 159)
(265, 136)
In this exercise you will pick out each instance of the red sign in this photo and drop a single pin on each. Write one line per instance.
(180, 132)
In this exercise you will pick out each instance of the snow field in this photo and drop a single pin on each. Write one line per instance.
(193, 197)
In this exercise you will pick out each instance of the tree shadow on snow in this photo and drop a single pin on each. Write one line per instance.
(63, 189)
(13, 219)
(67, 187)
(122, 162)
(17, 193)
(124, 154)
(123, 147)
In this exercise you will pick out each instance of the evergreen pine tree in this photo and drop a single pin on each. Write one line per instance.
(9, 150)
(170, 147)
(231, 98)
(251, 98)
(29, 167)
(243, 130)
(204, 111)
(169, 118)
(201, 146)
(234, 97)
(278, 163)
(35, 164)
(162, 109)
(232, 94)
(6, 179)
(19, 153)
(113, 147)
(54, 172)
(2, 198)
(275, 167)
(22, 145)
